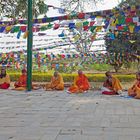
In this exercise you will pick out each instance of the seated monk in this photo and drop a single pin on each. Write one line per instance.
(112, 85)
(80, 84)
(21, 83)
(56, 83)
(4, 79)
(134, 91)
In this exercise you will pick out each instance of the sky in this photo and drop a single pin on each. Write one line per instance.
(105, 4)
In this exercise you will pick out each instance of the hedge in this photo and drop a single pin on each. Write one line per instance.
(44, 77)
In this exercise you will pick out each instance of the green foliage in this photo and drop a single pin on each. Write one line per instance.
(130, 2)
(100, 67)
(18, 8)
(121, 50)
(127, 65)
(126, 78)
(125, 44)
(45, 77)
(85, 67)
(78, 5)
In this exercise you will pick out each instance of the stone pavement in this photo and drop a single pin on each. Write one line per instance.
(41, 115)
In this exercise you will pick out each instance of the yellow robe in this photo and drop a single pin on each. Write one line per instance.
(115, 85)
(135, 90)
(56, 83)
(5, 79)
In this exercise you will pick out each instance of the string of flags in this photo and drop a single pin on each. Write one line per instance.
(126, 21)
(120, 24)
(86, 25)
(124, 11)
(45, 58)
(114, 21)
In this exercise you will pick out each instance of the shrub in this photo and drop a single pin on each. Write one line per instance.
(46, 77)
(126, 78)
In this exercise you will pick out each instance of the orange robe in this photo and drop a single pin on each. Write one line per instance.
(80, 84)
(135, 90)
(56, 83)
(5, 82)
(115, 85)
(21, 83)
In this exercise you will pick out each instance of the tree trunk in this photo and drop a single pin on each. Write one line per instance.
(117, 67)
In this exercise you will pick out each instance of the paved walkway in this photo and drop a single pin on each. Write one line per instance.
(41, 115)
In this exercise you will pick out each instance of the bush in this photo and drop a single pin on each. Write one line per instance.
(100, 67)
(45, 77)
(126, 78)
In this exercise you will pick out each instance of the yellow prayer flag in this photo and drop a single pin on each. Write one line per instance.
(8, 28)
(133, 8)
(79, 24)
(76, 37)
(39, 20)
(131, 28)
(25, 35)
(99, 28)
(113, 23)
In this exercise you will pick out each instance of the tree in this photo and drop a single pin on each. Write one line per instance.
(123, 49)
(129, 2)
(123, 45)
(83, 37)
(18, 8)
(78, 5)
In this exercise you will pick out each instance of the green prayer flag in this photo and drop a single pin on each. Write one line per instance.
(121, 20)
(92, 28)
(86, 23)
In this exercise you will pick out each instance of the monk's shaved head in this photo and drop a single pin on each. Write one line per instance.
(80, 72)
(24, 71)
(3, 71)
(108, 73)
(55, 74)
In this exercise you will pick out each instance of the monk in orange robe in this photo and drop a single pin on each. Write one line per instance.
(56, 83)
(80, 84)
(112, 85)
(134, 91)
(4, 79)
(21, 83)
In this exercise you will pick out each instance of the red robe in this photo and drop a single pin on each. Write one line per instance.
(5, 82)
(21, 81)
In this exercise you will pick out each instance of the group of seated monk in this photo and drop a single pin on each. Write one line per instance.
(19, 85)
(80, 84)
(111, 86)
